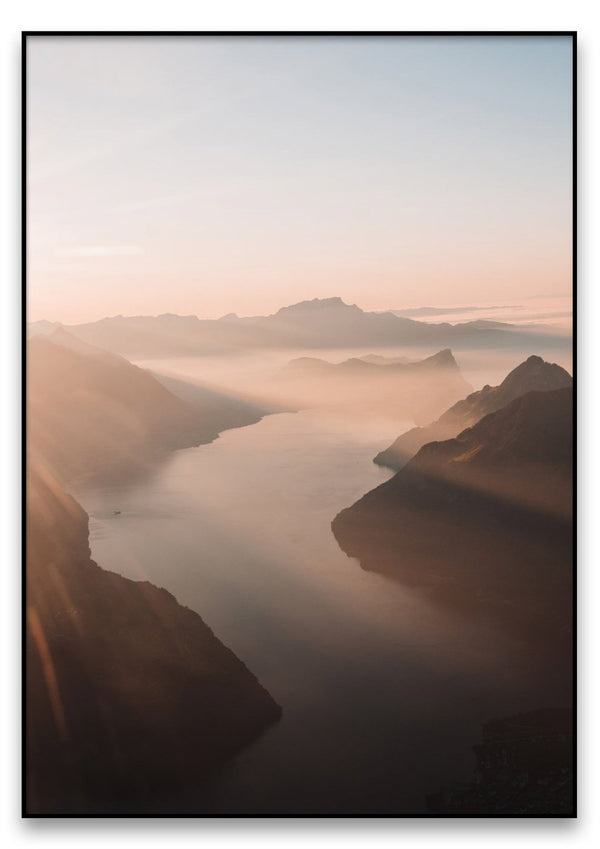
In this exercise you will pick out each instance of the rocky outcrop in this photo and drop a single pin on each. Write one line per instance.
(524, 768)
(533, 374)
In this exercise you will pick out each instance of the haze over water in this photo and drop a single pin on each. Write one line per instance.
(237, 177)
(382, 694)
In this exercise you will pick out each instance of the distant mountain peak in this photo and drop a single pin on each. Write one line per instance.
(317, 304)
(535, 373)
(442, 358)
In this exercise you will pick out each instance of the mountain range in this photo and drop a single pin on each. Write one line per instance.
(318, 323)
(129, 694)
(533, 374)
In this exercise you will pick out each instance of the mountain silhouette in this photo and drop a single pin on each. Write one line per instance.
(416, 389)
(92, 411)
(533, 374)
(318, 323)
(484, 518)
(129, 694)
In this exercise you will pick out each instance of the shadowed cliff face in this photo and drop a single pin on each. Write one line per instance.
(533, 374)
(484, 519)
(408, 390)
(129, 694)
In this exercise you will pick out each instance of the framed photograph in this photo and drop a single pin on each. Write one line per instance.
(298, 456)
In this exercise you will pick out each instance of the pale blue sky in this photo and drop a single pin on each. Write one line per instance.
(208, 175)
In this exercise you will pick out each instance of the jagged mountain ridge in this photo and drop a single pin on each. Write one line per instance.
(374, 365)
(533, 374)
(413, 390)
(485, 517)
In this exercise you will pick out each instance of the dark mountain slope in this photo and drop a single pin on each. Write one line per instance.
(129, 694)
(485, 517)
(533, 374)
(524, 768)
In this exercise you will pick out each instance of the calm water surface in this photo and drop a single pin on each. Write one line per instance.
(382, 694)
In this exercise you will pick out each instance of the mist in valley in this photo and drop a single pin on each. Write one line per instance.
(299, 426)
(238, 528)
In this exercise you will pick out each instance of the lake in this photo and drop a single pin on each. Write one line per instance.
(383, 693)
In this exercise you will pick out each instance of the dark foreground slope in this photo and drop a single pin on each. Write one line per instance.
(531, 375)
(524, 768)
(129, 694)
(484, 519)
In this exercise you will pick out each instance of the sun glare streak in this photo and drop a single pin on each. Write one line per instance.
(48, 671)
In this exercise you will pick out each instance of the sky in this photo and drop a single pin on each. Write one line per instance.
(240, 174)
